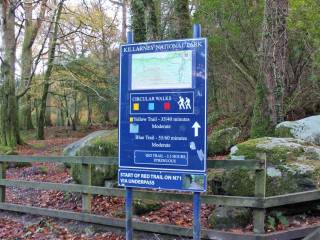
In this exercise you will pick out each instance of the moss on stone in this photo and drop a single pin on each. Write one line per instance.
(241, 182)
(230, 217)
(248, 149)
(141, 207)
(275, 155)
(283, 132)
(281, 185)
(214, 181)
(221, 141)
(238, 182)
(101, 146)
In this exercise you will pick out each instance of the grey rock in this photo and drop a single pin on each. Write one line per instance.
(71, 149)
(307, 129)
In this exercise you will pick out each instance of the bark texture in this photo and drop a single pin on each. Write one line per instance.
(30, 33)
(9, 130)
(46, 85)
(182, 19)
(138, 20)
(268, 109)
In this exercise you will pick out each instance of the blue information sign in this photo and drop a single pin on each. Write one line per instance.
(162, 112)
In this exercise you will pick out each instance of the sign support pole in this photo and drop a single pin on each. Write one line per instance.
(196, 195)
(129, 230)
(129, 198)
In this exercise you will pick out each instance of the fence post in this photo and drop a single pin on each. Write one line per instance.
(86, 180)
(260, 191)
(2, 176)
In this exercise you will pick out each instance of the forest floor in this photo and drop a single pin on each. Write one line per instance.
(22, 226)
(12, 226)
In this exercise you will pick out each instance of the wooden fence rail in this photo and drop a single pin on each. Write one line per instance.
(259, 203)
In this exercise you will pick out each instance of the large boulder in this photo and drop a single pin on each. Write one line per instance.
(278, 150)
(307, 129)
(292, 166)
(222, 140)
(282, 179)
(99, 143)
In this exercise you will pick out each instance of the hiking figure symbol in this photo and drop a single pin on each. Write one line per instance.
(184, 103)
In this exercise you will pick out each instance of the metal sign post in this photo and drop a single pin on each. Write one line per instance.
(163, 118)
(128, 197)
(196, 195)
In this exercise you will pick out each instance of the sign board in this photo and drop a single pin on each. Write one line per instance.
(162, 115)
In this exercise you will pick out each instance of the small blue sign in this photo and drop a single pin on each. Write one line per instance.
(167, 180)
(162, 112)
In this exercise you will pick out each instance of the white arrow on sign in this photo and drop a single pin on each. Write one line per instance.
(196, 127)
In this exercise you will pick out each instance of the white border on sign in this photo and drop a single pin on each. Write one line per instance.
(170, 172)
(206, 103)
(135, 113)
(161, 152)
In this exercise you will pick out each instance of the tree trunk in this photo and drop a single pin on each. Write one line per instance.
(30, 34)
(48, 120)
(61, 114)
(26, 65)
(9, 130)
(36, 105)
(138, 24)
(51, 56)
(268, 109)
(124, 21)
(182, 19)
(75, 119)
(153, 20)
(106, 119)
(67, 111)
(89, 120)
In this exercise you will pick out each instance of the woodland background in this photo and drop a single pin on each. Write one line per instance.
(60, 60)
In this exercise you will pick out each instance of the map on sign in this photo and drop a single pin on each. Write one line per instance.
(162, 70)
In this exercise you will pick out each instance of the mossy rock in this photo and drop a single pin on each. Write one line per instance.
(222, 140)
(278, 150)
(282, 179)
(230, 217)
(283, 132)
(214, 181)
(104, 143)
(307, 129)
(141, 207)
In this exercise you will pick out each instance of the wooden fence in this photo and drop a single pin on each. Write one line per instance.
(259, 203)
